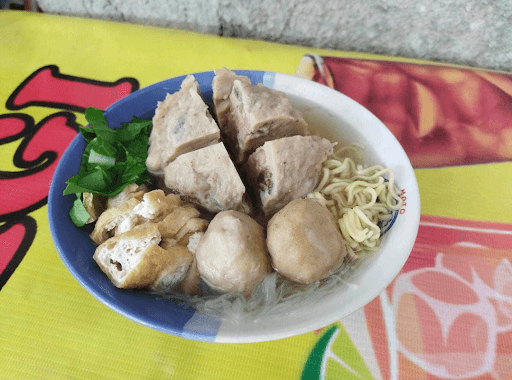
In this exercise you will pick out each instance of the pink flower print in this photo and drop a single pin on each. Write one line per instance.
(490, 275)
(443, 325)
(448, 315)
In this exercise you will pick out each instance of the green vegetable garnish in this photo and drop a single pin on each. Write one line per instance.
(112, 159)
(78, 213)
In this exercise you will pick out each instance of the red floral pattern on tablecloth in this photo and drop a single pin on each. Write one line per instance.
(448, 315)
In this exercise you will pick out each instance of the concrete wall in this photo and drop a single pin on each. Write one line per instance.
(474, 33)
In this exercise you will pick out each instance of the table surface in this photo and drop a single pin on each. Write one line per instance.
(448, 314)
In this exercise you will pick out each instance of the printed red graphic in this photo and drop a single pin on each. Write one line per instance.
(15, 239)
(12, 126)
(48, 88)
(41, 146)
(39, 152)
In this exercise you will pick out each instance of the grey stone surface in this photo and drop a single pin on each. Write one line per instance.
(474, 33)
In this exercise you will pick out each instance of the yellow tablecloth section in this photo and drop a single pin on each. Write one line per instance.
(51, 328)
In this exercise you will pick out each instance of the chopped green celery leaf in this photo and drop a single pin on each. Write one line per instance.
(118, 186)
(130, 131)
(78, 213)
(98, 126)
(97, 180)
(148, 124)
(138, 179)
(134, 168)
(137, 147)
(87, 133)
(100, 153)
(99, 147)
(90, 132)
(113, 158)
(95, 117)
(116, 189)
(72, 186)
(96, 158)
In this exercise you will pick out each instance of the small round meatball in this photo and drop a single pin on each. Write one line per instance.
(231, 256)
(304, 242)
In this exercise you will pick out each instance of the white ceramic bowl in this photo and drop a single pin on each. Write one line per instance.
(329, 114)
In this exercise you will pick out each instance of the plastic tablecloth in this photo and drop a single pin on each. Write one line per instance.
(448, 314)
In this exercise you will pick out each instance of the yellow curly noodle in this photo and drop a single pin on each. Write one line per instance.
(358, 197)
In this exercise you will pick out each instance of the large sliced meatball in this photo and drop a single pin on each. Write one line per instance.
(222, 85)
(208, 177)
(182, 123)
(286, 169)
(231, 256)
(258, 114)
(304, 242)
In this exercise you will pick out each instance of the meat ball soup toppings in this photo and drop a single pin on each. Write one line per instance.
(240, 203)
